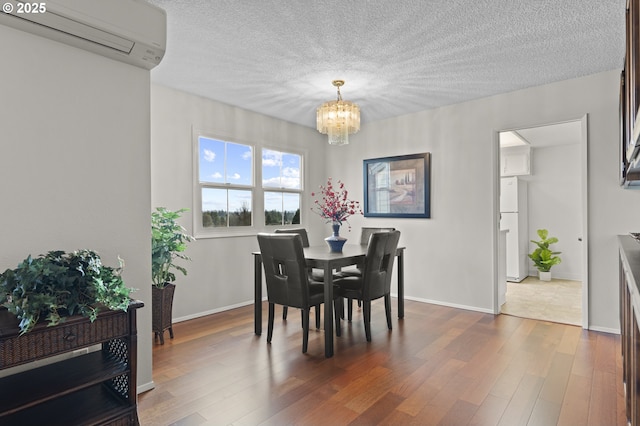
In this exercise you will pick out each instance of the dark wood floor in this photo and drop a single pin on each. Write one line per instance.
(439, 366)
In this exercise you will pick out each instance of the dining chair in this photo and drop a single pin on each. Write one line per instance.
(375, 281)
(315, 275)
(365, 233)
(288, 282)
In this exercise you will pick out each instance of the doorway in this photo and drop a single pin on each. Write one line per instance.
(548, 165)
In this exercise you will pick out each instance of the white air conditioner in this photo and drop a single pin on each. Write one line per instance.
(131, 31)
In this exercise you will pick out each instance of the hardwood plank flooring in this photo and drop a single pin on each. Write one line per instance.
(438, 366)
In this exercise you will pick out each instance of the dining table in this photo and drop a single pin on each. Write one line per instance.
(320, 257)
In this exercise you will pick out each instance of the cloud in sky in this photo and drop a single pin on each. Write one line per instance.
(209, 155)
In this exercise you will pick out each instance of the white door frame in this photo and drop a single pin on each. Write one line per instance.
(584, 207)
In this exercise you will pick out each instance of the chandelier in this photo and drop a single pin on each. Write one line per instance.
(338, 118)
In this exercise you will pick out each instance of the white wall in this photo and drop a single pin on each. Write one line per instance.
(554, 203)
(75, 168)
(220, 274)
(450, 258)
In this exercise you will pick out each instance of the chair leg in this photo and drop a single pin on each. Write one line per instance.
(285, 309)
(272, 314)
(318, 317)
(366, 310)
(305, 330)
(337, 308)
(359, 303)
(350, 309)
(387, 309)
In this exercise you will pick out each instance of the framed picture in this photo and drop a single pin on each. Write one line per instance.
(398, 186)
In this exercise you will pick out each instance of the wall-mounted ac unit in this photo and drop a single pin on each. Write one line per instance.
(131, 31)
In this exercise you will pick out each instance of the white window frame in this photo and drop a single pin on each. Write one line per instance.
(257, 191)
(199, 230)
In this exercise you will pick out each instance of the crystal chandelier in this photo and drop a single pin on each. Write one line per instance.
(338, 118)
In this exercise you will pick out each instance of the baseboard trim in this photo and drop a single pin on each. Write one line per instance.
(145, 387)
(449, 305)
(604, 329)
(212, 311)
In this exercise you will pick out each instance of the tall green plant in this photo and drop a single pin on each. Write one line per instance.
(168, 242)
(59, 284)
(543, 257)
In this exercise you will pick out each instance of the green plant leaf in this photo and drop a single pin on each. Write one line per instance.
(543, 257)
(168, 240)
(60, 284)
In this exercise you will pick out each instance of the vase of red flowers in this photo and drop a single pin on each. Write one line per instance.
(336, 207)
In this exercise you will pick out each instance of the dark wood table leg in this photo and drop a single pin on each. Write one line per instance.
(401, 284)
(328, 312)
(257, 282)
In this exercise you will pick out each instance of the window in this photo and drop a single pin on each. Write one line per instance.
(225, 179)
(282, 185)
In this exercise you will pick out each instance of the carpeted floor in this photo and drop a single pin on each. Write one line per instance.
(556, 300)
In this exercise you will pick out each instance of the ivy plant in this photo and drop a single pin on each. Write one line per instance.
(58, 284)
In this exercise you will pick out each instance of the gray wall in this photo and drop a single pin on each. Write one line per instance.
(77, 174)
(450, 258)
(220, 274)
(75, 161)
(554, 202)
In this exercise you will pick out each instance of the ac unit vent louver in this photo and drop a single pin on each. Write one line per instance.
(131, 31)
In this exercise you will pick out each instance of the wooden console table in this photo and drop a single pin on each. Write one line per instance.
(629, 325)
(98, 387)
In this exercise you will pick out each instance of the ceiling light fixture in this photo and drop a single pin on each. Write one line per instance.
(338, 118)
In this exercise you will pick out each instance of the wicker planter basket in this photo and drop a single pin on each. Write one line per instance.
(162, 306)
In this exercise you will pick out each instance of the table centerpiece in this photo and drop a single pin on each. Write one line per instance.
(335, 206)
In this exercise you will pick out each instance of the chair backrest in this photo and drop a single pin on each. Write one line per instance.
(366, 233)
(284, 269)
(378, 264)
(301, 231)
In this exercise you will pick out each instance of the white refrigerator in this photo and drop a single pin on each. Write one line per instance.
(513, 218)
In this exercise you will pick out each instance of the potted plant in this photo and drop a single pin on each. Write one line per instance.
(543, 257)
(57, 285)
(168, 242)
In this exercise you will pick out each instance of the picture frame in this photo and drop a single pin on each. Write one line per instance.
(398, 186)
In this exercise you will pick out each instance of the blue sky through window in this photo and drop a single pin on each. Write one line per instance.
(280, 170)
(225, 162)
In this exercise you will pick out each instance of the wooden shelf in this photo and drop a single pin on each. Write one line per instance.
(98, 387)
(93, 405)
(33, 387)
(629, 328)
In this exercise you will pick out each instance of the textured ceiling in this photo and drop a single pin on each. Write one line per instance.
(279, 57)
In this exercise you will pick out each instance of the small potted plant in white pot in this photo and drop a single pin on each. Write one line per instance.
(168, 242)
(543, 257)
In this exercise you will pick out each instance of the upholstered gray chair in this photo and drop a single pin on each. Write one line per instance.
(315, 275)
(365, 233)
(288, 281)
(375, 280)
